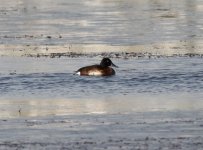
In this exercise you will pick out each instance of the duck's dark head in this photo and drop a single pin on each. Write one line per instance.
(106, 62)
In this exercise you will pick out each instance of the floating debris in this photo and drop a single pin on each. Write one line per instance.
(122, 55)
(49, 37)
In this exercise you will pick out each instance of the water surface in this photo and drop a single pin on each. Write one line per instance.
(42, 86)
(128, 22)
(45, 86)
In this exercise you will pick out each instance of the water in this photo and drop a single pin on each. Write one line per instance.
(54, 77)
(44, 86)
(128, 22)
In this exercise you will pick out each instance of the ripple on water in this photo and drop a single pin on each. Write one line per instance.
(134, 76)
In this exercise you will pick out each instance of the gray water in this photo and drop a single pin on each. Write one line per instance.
(45, 86)
(128, 22)
(51, 78)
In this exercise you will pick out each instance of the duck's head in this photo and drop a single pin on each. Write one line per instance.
(106, 62)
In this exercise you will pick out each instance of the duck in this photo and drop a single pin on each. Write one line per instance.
(102, 69)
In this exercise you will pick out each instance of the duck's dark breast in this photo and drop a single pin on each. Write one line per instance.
(96, 70)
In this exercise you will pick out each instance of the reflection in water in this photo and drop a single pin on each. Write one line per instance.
(140, 103)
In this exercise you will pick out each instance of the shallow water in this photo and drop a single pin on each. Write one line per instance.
(45, 86)
(128, 22)
(55, 77)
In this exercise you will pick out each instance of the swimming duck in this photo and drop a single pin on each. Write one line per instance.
(103, 69)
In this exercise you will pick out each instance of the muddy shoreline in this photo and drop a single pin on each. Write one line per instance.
(166, 49)
(149, 130)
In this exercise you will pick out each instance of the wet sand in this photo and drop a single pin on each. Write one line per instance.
(55, 28)
(173, 48)
(143, 122)
(149, 130)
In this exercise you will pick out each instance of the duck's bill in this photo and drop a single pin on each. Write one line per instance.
(114, 65)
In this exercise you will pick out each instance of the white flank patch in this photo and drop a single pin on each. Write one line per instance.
(78, 73)
(95, 73)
